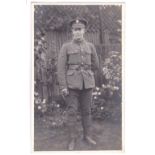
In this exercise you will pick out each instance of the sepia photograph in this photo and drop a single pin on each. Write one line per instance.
(77, 76)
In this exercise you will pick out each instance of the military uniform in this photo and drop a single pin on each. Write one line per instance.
(76, 64)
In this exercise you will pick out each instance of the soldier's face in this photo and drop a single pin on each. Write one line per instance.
(78, 33)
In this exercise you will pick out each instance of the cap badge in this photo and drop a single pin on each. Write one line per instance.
(77, 21)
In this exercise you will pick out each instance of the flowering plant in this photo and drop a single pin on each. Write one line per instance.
(107, 98)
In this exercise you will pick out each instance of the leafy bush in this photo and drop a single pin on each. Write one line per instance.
(107, 98)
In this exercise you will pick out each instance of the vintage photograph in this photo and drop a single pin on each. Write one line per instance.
(77, 55)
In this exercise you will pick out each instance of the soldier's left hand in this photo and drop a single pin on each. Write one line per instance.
(65, 92)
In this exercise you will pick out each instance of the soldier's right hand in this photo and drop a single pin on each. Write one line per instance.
(65, 92)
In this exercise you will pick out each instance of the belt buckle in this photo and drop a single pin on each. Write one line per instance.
(82, 68)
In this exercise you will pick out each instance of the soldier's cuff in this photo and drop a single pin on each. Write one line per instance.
(63, 88)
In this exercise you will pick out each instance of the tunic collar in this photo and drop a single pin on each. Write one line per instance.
(79, 41)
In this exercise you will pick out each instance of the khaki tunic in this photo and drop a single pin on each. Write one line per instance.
(76, 64)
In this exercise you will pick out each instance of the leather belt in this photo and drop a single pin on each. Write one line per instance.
(78, 67)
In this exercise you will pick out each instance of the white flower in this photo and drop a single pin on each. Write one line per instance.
(97, 88)
(104, 70)
(99, 93)
(95, 97)
(39, 107)
(116, 88)
(102, 108)
(103, 86)
(58, 105)
(42, 38)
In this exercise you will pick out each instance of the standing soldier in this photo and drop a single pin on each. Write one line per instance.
(76, 65)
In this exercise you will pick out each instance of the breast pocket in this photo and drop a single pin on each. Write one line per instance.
(73, 56)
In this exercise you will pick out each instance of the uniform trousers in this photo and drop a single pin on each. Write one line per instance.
(79, 99)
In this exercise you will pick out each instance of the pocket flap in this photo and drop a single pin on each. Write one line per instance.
(70, 72)
(72, 51)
